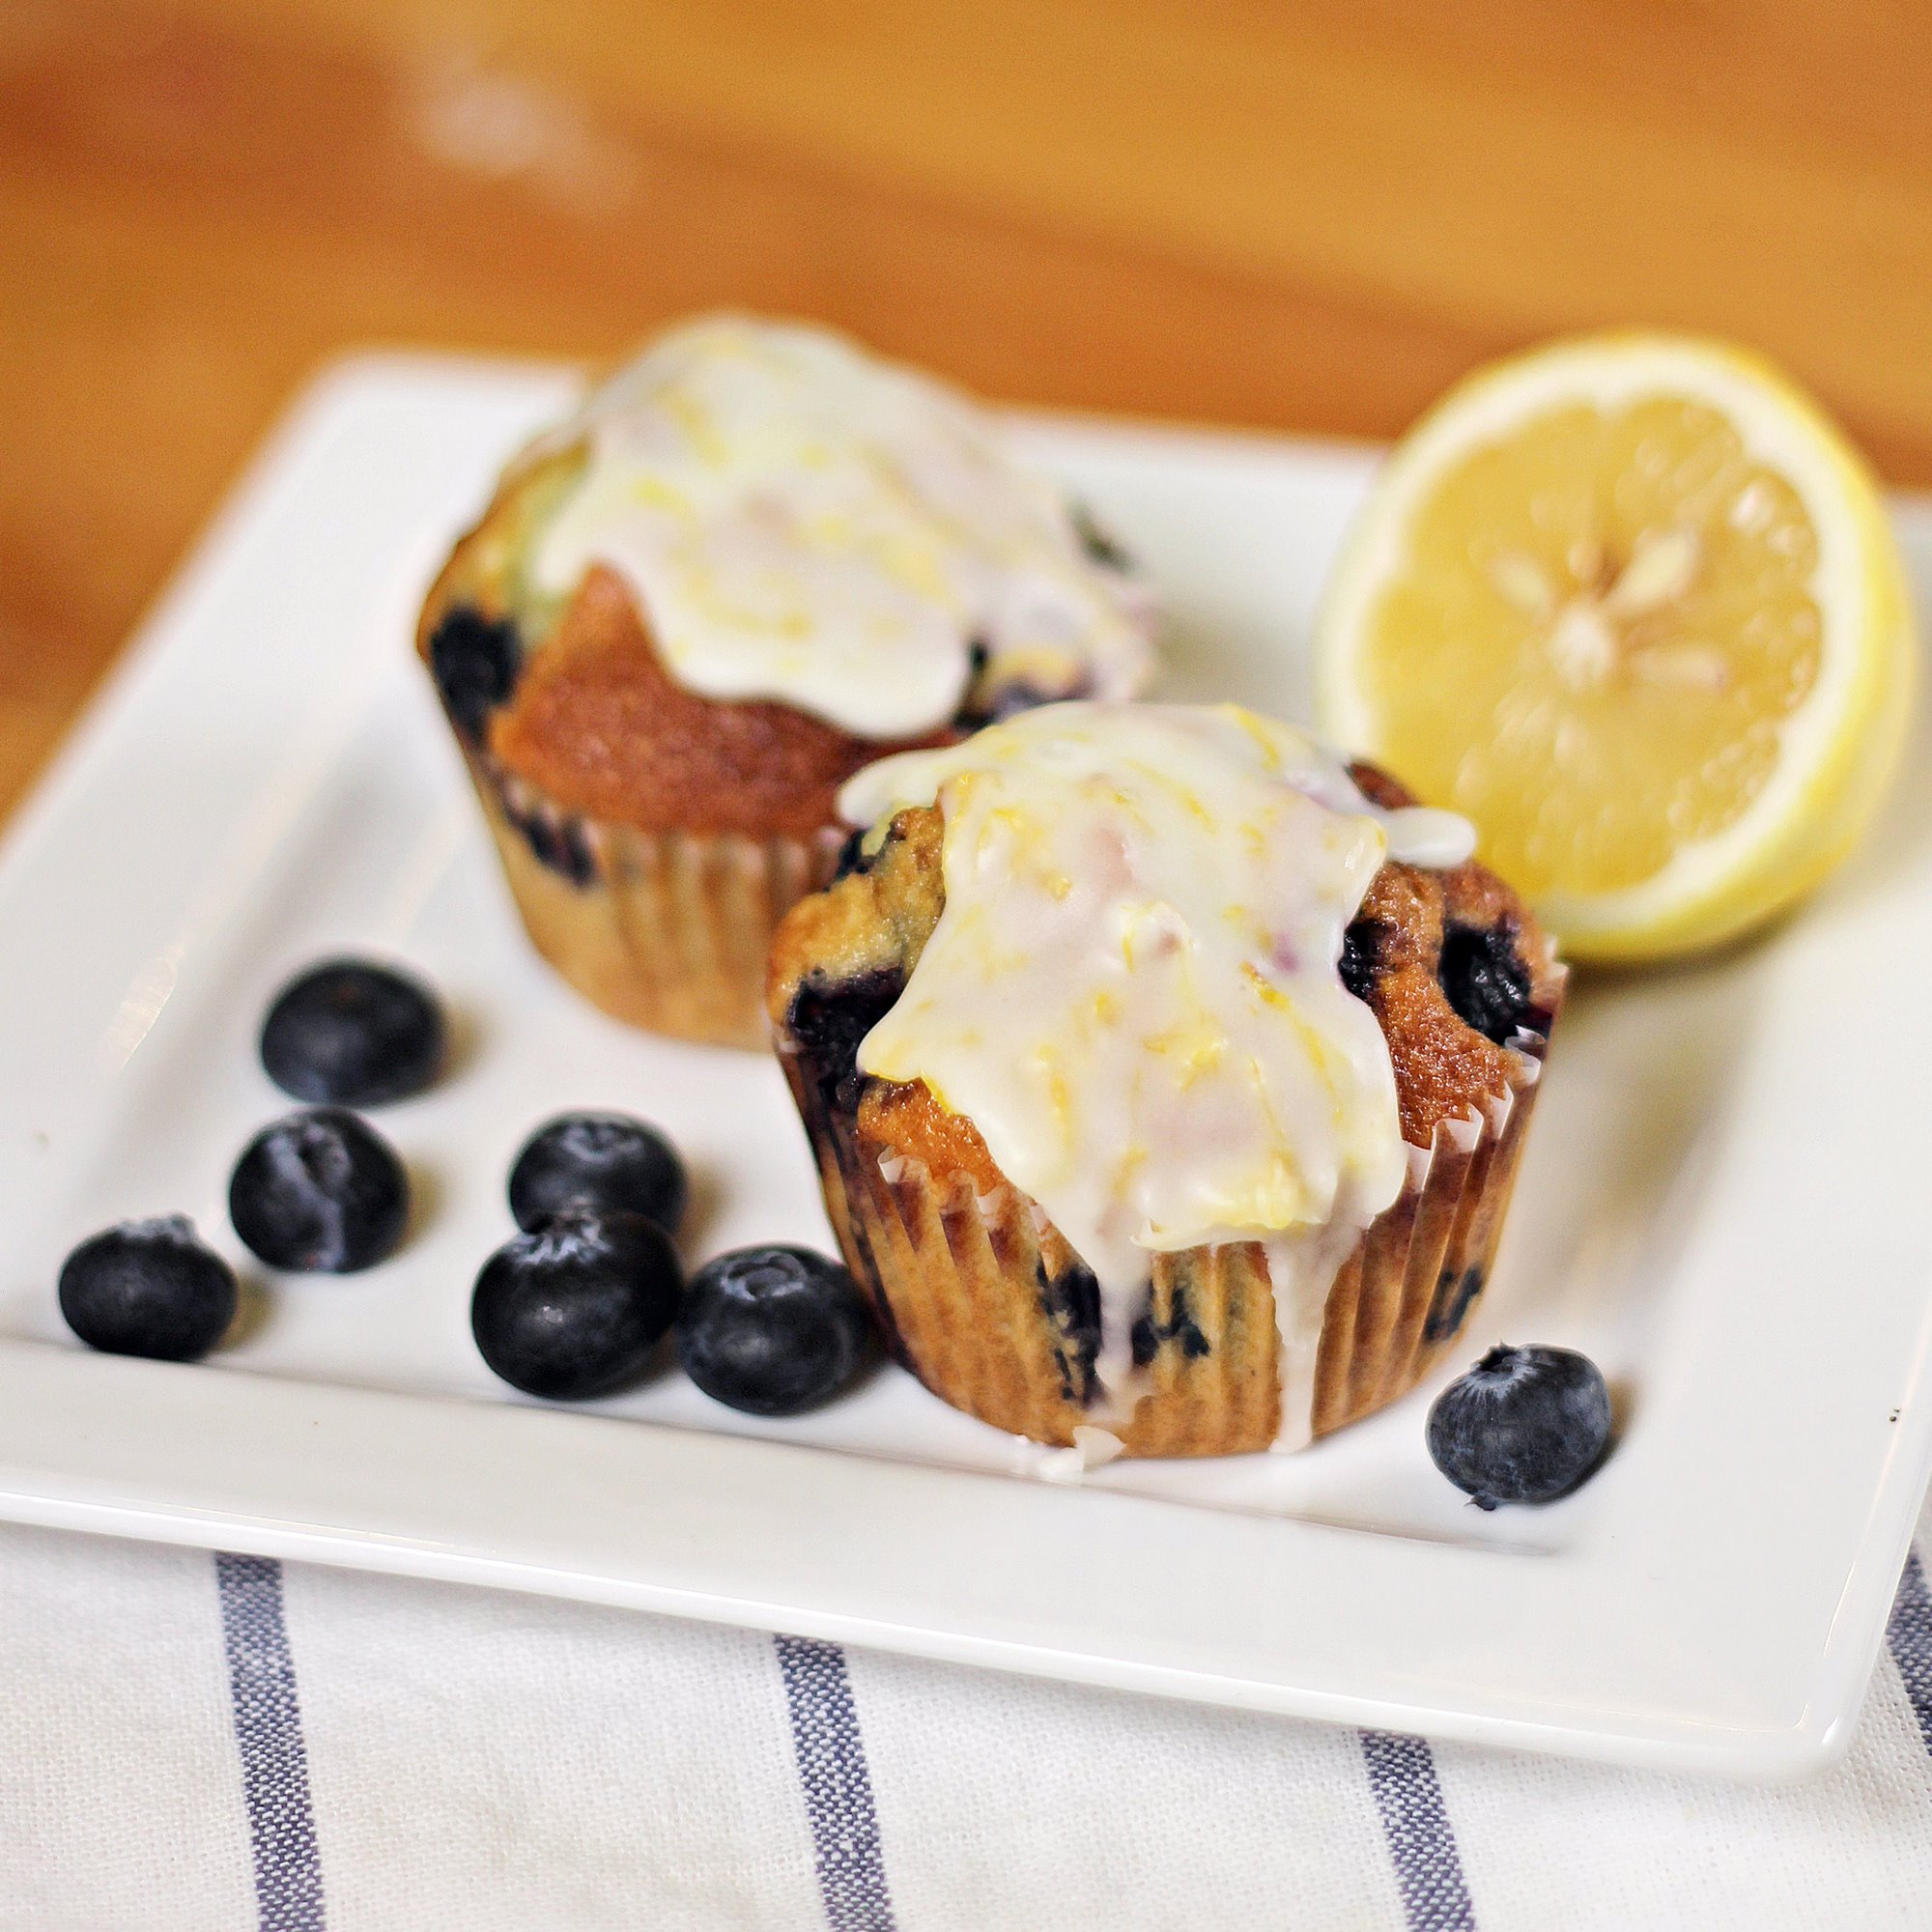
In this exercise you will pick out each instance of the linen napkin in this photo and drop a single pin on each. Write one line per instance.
(199, 1742)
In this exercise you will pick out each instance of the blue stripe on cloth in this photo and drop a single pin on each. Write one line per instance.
(1910, 1635)
(838, 1786)
(1422, 1846)
(268, 1731)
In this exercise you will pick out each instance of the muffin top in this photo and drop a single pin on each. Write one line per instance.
(1163, 980)
(800, 522)
(755, 558)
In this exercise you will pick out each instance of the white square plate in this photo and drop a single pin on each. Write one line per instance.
(1721, 1202)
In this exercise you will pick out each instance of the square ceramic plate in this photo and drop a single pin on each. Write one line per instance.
(1719, 1202)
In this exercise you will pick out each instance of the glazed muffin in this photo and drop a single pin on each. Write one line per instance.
(755, 560)
(1166, 1076)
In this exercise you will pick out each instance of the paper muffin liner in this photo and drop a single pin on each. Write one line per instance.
(665, 930)
(982, 1299)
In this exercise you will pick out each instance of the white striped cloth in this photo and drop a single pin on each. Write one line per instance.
(208, 1741)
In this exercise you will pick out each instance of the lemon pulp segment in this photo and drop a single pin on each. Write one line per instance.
(1632, 604)
(1627, 595)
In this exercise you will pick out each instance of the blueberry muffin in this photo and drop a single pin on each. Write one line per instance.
(757, 560)
(1166, 1076)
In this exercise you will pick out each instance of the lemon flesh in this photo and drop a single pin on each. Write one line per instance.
(1631, 605)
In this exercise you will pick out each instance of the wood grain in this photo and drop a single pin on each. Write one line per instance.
(1309, 219)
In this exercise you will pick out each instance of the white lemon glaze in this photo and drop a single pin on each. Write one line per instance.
(1132, 992)
(803, 522)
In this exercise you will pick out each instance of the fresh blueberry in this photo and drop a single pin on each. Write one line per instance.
(1523, 1426)
(349, 1034)
(320, 1192)
(772, 1330)
(598, 1160)
(1484, 980)
(148, 1288)
(572, 1308)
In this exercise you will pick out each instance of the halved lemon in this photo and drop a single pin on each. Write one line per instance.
(1632, 604)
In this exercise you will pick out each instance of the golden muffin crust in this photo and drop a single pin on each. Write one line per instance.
(600, 725)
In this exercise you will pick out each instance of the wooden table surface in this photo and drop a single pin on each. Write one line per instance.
(1310, 217)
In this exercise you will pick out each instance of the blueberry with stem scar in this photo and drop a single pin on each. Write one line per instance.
(148, 1288)
(320, 1192)
(1523, 1426)
(772, 1331)
(572, 1308)
(351, 1033)
(598, 1160)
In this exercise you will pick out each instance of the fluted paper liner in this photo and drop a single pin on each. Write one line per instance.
(979, 1295)
(665, 930)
